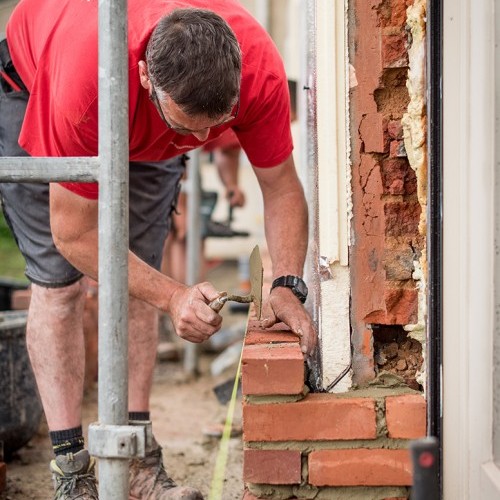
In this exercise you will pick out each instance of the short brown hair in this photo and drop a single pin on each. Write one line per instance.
(194, 57)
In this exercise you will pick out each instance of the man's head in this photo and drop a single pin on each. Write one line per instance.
(193, 60)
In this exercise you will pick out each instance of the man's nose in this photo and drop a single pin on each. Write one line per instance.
(202, 135)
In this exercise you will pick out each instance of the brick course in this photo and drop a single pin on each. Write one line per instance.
(360, 467)
(327, 417)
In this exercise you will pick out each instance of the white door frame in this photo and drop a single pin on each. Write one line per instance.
(468, 250)
(332, 192)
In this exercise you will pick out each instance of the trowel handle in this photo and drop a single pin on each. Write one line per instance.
(219, 302)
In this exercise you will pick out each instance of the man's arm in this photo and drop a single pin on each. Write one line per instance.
(285, 219)
(74, 224)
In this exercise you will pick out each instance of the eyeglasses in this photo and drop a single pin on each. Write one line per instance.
(186, 131)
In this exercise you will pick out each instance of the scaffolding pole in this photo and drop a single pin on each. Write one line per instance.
(193, 250)
(113, 243)
(27, 169)
(111, 440)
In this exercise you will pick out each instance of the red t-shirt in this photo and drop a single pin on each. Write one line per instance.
(54, 49)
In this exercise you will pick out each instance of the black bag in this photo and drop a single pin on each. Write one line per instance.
(9, 78)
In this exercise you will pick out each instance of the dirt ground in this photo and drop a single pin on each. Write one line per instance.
(184, 412)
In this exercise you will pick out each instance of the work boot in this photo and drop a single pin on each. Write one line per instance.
(74, 477)
(149, 480)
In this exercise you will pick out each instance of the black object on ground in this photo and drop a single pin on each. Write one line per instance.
(7, 286)
(224, 391)
(20, 407)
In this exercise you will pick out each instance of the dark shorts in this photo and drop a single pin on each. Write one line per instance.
(154, 188)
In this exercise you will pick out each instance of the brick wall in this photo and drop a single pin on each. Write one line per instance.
(386, 206)
(303, 445)
(354, 445)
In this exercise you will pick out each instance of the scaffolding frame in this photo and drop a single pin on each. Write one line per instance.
(111, 439)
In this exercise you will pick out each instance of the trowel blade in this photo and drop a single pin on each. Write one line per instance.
(256, 278)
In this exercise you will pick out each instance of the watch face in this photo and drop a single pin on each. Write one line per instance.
(299, 289)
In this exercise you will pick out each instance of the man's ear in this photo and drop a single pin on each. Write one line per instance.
(144, 75)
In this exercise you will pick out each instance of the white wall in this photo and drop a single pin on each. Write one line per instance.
(468, 261)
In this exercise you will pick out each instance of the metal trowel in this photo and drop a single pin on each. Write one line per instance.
(256, 276)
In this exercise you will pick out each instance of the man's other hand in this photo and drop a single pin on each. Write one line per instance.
(283, 305)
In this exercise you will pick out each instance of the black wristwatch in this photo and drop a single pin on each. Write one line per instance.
(296, 284)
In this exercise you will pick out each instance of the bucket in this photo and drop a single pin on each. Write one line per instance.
(20, 407)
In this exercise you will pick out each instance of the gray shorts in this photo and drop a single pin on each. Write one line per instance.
(154, 188)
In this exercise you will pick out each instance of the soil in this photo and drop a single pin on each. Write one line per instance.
(185, 412)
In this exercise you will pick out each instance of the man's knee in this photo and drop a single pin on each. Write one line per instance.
(60, 301)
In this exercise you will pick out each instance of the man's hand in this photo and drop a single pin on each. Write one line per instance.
(191, 315)
(235, 196)
(283, 305)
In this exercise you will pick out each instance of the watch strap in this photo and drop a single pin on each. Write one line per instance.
(295, 283)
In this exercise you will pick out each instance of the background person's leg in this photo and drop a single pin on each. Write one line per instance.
(143, 343)
(153, 194)
(154, 188)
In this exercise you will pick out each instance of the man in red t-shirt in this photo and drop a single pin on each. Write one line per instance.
(193, 74)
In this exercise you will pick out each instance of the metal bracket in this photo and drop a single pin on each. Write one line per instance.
(120, 441)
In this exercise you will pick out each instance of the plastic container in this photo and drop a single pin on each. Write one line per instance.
(7, 286)
(20, 407)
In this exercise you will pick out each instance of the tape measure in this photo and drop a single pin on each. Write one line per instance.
(217, 484)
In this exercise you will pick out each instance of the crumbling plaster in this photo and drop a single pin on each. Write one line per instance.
(415, 134)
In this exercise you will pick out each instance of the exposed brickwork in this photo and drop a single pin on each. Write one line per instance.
(293, 445)
(272, 369)
(386, 211)
(360, 467)
(297, 446)
(372, 129)
(317, 417)
(272, 466)
(406, 416)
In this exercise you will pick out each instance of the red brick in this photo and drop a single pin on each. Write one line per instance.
(272, 466)
(406, 416)
(402, 218)
(363, 361)
(272, 369)
(394, 50)
(395, 129)
(400, 307)
(3, 476)
(360, 467)
(397, 149)
(270, 336)
(317, 417)
(398, 13)
(20, 299)
(392, 13)
(397, 176)
(372, 131)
